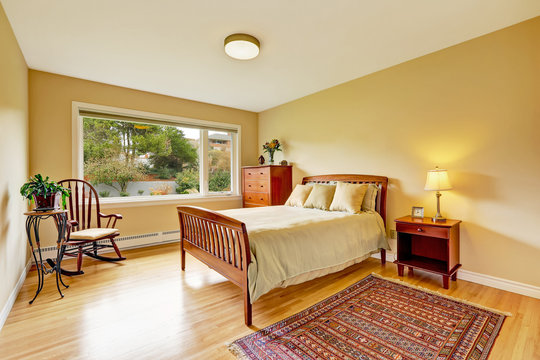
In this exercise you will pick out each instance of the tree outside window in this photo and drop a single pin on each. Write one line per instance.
(129, 159)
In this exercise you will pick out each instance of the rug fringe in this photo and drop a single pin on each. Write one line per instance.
(237, 351)
(402, 282)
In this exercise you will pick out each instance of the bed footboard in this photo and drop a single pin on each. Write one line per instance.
(218, 241)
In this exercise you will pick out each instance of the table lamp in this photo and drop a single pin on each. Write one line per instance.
(437, 180)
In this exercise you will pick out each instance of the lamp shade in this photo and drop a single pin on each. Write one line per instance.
(437, 180)
(242, 46)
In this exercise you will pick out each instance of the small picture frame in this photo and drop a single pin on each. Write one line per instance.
(417, 212)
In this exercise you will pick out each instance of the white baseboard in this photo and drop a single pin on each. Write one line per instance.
(499, 283)
(13, 296)
(487, 280)
(129, 242)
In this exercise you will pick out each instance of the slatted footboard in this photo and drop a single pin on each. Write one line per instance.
(220, 242)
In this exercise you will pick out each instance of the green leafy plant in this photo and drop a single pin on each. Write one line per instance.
(219, 181)
(104, 193)
(124, 193)
(164, 174)
(188, 181)
(37, 186)
(140, 192)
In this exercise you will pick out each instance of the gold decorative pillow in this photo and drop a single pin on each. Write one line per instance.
(320, 197)
(348, 197)
(299, 195)
(369, 202)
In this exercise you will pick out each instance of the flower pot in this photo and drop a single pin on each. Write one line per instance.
(48, 202)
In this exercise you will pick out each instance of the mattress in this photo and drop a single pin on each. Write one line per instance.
(290, 245)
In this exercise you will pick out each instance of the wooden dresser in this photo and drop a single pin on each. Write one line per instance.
(266, 185)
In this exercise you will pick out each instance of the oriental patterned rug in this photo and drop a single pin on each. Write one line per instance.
(381, 319)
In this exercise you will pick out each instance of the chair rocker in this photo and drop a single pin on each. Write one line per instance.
(85, 233)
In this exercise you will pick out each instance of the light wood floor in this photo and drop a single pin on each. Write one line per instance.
(146, 308)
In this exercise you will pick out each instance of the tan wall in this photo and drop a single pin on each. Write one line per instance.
(13, 158)
(473, 108)
(51, 99)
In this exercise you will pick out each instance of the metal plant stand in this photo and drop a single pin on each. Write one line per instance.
(33, 222)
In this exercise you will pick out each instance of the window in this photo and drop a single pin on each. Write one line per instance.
(132, 154)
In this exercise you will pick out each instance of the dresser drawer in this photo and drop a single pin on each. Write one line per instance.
(256, 198)
(256, 186)
(256, 173)
(248, 205)
(433, 231)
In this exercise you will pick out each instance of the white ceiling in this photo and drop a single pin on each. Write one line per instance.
(175, 47)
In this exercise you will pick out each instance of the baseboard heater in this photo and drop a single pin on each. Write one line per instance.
(127, 242)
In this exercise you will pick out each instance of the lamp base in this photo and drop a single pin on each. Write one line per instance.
(438, 218)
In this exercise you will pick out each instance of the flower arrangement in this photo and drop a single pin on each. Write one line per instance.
(271, 147)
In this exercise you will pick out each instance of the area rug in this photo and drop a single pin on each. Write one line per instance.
(379, 318)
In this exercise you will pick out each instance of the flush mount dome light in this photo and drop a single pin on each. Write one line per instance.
(242, 46)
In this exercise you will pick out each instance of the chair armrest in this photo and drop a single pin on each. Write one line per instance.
(112, 218)
(70, 224)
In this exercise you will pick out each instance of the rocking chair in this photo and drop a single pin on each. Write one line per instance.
(85, 233)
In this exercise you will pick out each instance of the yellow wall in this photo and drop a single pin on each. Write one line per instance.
(13, 158)
(473, 108)
(51, 99)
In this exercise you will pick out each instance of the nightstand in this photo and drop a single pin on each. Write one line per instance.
(427, 245)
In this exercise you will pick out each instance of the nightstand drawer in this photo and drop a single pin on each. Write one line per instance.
(434, 231)
(256, 173)
(256, 186)
(256, 198)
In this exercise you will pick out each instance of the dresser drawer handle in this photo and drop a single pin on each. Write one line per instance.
(262, 185)
(262, 173)
(249, 185)
(419, 230)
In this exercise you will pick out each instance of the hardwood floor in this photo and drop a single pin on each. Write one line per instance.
(146, 308)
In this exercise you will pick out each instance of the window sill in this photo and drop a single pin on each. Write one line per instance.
(136, 201)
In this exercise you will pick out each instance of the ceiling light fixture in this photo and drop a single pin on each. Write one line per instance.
(242, 46)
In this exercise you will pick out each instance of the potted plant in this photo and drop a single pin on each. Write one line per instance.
(44, 193)
(271, 147)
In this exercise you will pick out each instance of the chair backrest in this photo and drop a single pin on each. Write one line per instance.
(82, 204)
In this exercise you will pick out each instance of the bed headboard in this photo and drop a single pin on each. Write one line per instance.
(380, 181)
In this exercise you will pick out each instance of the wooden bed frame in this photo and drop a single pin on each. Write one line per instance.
(222, 242)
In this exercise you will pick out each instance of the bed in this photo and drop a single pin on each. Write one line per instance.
(263, 248)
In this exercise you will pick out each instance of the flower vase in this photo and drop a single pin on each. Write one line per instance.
(271, 158)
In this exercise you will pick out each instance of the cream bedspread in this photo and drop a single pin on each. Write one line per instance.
(289, 243)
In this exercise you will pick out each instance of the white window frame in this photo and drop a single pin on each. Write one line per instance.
(204, 196)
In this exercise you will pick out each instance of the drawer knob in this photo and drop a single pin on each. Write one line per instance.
(249, 185)
(262, 173)
(419, 230)
(261, 198)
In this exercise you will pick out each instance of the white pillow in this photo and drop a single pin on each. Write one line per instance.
(348, 197)
(320, 197)
(299, 195)
(369, 202)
